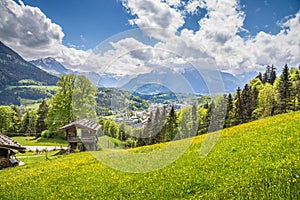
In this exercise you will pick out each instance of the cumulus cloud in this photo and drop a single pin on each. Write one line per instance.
(193, 6)
(31, 33)
(282, 48)
(27, 26)
(217, 42)
(174, 3)
(155, 14)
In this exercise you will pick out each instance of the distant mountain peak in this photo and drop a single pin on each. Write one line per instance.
(50, 65)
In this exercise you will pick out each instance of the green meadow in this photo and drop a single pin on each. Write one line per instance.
(32, 141)
(257, 160)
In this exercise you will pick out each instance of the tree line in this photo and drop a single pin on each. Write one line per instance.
(265, 95)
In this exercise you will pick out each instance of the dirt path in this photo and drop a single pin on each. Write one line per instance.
(41, 148)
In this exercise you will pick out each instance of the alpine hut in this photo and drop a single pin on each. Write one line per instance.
(82, 135)
(8, 148)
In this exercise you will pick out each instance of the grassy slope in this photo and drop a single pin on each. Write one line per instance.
(29, 141)
(258, 160)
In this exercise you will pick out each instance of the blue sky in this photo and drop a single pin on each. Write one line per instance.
(230, 35)
(89, 22)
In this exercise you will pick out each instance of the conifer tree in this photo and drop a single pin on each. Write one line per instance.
(147, 131)
(207, 125)
(171, 126)
(272, 75)
(156, 126)
(246, 104)
(254, 100)
(259, 76)
(238, 107)
(229, 111)
(284, 90)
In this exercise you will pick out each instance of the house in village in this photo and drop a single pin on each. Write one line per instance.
(82, 135)
(8, 148)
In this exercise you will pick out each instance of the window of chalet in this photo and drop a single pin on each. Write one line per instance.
(79, 132)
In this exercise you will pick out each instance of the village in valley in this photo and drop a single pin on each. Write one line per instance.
(149, 99)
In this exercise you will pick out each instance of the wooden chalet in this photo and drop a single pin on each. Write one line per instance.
(8, 148)
(82, 135)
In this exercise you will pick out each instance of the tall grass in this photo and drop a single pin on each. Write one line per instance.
(258, 160)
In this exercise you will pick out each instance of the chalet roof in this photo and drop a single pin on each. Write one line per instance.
(8, 143)
(82, 123)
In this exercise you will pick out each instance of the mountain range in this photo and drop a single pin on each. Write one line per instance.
(188, 80)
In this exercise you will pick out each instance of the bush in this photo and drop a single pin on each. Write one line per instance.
(49, 134)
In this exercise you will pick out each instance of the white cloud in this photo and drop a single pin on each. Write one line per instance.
(216, 44)
(27, 26)
(193, 6)
(155, 14)
(27, 30)
(174, 3)
(280, 49)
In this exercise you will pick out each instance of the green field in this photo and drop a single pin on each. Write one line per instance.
(31, 141)
(258, 160)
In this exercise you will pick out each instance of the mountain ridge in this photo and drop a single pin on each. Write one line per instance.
(14, 68)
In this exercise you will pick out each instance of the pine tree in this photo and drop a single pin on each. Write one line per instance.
(254, 100)
(238, 107)
(266, 75)
(259, 76)
(208, 126)
(160, 135)
(145, 138)
(171, 126)
(156, 126)
(246, 104)
(272, 75)
(284, 90)
(229, 112)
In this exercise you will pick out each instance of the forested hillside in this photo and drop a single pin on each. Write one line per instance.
(13, 68)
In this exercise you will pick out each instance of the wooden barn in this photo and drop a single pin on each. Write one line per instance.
(8, 148)
(82, 135)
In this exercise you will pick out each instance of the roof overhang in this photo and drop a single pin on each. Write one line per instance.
(8, 147)
(83, 123)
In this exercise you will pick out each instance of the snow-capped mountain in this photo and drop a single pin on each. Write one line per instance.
(54, 67)
(178, 81)
(51, 66)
